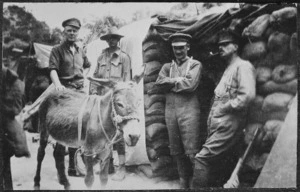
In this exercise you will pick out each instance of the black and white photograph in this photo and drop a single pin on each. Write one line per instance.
(149, 95)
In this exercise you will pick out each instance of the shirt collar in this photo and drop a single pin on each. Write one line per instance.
(67, 45)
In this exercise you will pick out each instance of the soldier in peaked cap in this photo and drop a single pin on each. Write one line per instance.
(236, 89)
(66, 64)
(180, 79)
(113, 64)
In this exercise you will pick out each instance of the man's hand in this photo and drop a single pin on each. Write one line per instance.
(60, 88)
(177, 79)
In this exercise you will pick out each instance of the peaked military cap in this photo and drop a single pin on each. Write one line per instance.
(180, 39)
(72, 22)
(228, 35)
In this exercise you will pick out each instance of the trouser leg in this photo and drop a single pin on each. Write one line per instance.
(201, 175)
(185, 170)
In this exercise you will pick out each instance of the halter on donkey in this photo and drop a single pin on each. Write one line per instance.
(111, 114)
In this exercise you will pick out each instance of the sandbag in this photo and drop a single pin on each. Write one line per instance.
(146, 169)
(249, 133)
(256, 116)
(150, 45)
(157, 108)
(152, 154)
(150, 78)
(271, 129)
(294, 51)
(161, 146)
(161, 162)
(284, 73)
(272, 87)
(154, 119)
(256, 103)
(155, 129)
(275, 115)
(254, 51)
(150, 99)
(152, 55)
(16, 138)
(148, 86)
(284, 14)
(267, 61)
(152, 67)
(263, 74)
(257, 27)
(276, 102)
(279, 42)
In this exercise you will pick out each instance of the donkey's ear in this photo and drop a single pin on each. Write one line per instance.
(137, 78)
(102, 82)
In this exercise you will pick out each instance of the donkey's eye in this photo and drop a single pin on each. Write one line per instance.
(120, 105)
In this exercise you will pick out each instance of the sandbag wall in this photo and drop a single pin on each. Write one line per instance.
(272, 49)
(155, 54)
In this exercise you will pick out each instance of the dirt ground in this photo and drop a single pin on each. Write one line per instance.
(23, 171)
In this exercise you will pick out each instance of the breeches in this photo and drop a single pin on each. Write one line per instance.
(184, 131)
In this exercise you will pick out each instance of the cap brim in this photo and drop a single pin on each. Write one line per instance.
(105, 37)
(174, 44)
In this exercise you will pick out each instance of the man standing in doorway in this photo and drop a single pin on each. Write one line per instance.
(67, 63)
(180, 79)
(113, 64)
(236, 89)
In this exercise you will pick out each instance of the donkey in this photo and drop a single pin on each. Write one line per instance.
(91, 122)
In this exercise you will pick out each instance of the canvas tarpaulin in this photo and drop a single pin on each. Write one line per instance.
(42, 53)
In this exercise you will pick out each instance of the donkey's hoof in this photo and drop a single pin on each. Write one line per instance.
(89, 181)
(36, 187)
(67, 186)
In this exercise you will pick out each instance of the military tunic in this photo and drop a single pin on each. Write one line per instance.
(226, 121)
(115, 66)
(182, 106)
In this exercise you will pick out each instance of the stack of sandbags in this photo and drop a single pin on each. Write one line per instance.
(157, 142)
(273, 52)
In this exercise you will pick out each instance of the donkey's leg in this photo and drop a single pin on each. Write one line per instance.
(89, 177)
(104, 166)
(40, 156)
(59, 156)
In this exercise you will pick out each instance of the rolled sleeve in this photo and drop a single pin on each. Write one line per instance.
(246, 91)
(54, 59)
(191, 81)
(126, 68)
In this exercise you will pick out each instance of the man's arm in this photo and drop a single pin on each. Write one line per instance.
(56, 81)
(126, 68)
(246, 91)
(54, 62)
(191, 81)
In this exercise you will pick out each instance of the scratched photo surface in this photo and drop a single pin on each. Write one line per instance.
(149, 96)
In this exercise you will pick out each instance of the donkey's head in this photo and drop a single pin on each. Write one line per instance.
(125, 107)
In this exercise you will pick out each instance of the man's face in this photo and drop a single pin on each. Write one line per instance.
(227, 49)
(180, 52)
(71, 33)
(113, 41)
